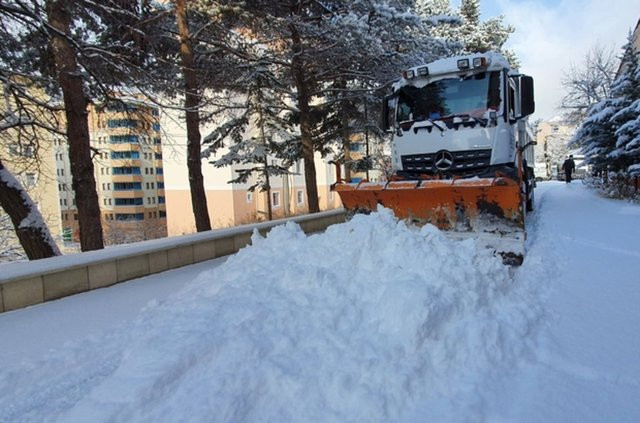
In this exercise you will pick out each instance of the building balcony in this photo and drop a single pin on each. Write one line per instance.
(125, 147)
(127, 193)
(125, 163)
(126, 178)
(129, 209)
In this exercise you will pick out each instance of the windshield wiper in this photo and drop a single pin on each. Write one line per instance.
(429, 126)
(482, 121)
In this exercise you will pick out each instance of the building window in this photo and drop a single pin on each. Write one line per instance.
(30, 179)
(122, 123)
(298, 163)
(162, 213)
(275, 199)
(125, 155)
(160, 185)
(126, 186)
(129, 216)
(128, 201)
(300, 196)
(159, 171)
(249, 197)
(161, 199)
(126, 171)
(356, 146)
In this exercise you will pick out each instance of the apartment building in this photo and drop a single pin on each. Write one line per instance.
(551, 148)
(232, 204)
(127, 139)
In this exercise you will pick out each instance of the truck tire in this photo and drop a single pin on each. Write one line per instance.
(529, 183)
(530, 200)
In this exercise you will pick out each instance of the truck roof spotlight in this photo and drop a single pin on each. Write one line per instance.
(480, 62)
(463, 64)
(408, 74)
(423, 71)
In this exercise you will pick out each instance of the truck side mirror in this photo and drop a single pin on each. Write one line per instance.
(388, 112)
(527, 103)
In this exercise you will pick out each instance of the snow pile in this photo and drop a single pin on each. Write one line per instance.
(369, 321)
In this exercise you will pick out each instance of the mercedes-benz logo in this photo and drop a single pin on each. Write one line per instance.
(443, 160)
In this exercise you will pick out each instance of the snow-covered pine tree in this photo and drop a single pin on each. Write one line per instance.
(609, 136)
(256, 131)
(331, 54)
(596, 135)
(626, 155)
(75, 53)
(480, 37)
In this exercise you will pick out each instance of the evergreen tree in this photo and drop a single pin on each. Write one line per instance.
(328, 56)
(480, 37)
(257, 135)
(626, 87)
(610, 134)
(596, 134)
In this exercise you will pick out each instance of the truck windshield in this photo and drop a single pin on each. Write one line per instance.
(473, 96)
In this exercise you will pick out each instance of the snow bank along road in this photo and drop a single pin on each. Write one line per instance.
(370, 321)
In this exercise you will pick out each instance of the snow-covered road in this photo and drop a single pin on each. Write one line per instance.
(370, 321)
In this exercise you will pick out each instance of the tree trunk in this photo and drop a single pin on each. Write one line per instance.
(191, 104)
(30, 228)
(297, 68)
(75, 104)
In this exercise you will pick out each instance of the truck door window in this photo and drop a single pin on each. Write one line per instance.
(512, 101)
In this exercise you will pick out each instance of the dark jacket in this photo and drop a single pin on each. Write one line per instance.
(569, 166)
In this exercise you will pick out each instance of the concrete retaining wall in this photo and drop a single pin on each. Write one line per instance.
(26, 283)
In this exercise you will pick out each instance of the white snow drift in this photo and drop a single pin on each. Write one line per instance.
(365, 322)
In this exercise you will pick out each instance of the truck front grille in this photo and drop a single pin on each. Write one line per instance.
(465, 163)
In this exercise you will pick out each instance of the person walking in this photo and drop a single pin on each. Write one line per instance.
(569, 166)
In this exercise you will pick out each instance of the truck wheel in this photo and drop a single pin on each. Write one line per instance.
(530, 191)
(530, 201)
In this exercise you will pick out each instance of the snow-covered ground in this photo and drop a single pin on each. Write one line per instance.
(370, 321)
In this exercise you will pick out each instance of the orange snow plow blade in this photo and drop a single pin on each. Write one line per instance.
(482, 208)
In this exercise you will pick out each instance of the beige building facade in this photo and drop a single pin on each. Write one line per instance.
(29, 156)
(232, 204)
(37, 175)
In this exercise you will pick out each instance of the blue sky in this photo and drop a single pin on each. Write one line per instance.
(552, 35)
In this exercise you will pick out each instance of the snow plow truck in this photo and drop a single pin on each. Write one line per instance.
(462, 152)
